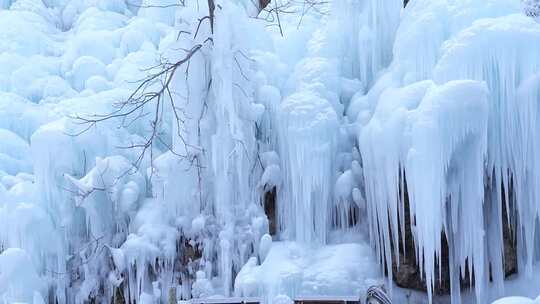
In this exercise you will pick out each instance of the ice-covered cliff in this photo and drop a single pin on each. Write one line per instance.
(153, 151)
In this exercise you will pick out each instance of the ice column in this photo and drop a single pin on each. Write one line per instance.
(308, 131)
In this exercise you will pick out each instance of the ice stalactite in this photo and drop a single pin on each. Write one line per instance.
(317, 181)
(321, 86)
(473, 164)
(510, 70)
(338, 111)
(219, 168)
(416, 126)
(372, 27)
(308, 139)
(454, 165)
(90, 203)
(109, 195)
(362, 57)
(234, 151)
(188, 216)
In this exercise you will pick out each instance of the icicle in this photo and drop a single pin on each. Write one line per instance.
(438, 143)
(511, 74)
(308, 130)
(374, 24)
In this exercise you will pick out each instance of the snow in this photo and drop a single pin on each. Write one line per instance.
(296, 270)
(282, 299)
(515, 300)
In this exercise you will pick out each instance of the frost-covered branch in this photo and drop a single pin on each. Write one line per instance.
(155, 91)
(272, 12)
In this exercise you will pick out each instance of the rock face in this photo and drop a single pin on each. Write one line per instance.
(270, 210)
(263, 4)
(510, 247)
(407, 273)
(119, 296)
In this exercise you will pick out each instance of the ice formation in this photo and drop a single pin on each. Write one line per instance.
(309, 137)
(516, 300)
(292, 269)
(315, 126)
(491, 153)
(437, 135)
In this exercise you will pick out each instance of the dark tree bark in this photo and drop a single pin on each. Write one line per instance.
(211, 8)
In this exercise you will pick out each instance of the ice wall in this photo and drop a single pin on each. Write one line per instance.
(427, 135)
(127, 230)
(371, 27)
(476, 166)
(339, 107)
(184, 220)
(510, 73)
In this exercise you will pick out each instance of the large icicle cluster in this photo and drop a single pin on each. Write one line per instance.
(513, 127)
(435, 138)
(460, 145)
(88, 224)
(319, 196)
(315, 151)
(308, 142)
(188, 217)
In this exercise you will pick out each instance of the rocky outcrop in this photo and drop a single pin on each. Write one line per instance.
(263, 4)
(270, 210)
(407, 273)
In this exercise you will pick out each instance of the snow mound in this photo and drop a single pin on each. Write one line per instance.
(296, 270)
(517, 300)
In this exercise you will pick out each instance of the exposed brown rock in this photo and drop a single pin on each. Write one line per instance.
(509, 241)
(172, 295)
(119, 295)
(408, 275)
(263, 4)
(270, 210)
